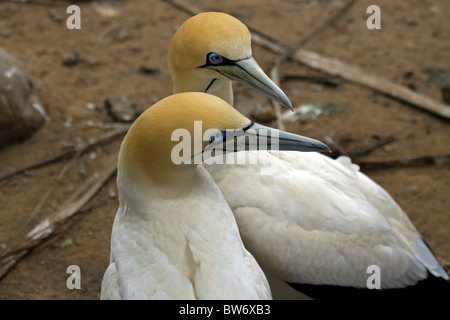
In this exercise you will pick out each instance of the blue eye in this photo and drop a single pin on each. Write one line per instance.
(215, 58)
(218, 136)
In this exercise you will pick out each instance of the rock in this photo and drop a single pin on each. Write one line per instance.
(147, 71)
(70, 59)
(121, 109)
(21, 110)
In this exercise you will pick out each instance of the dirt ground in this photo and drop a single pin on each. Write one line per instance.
(116, 42)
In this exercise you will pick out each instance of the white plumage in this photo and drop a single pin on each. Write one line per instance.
(211, 264)
(321, 221)
(316, 220)
(174, 235)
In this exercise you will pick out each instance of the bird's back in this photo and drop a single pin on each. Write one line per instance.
(321, 221)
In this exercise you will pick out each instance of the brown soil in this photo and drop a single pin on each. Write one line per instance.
(414, 37)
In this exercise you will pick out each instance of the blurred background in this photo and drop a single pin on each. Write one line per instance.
(68, 96)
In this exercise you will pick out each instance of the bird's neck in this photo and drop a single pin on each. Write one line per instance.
(189, 81)
(156, 181)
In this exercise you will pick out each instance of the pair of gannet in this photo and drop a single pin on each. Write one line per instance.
(174, 235)
(316, 220)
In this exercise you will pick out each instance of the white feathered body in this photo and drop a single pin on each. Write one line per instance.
(179, 245)
(321, 221)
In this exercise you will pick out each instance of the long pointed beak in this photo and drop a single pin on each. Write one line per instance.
(282, 140)
(248, 72)
(259, 137)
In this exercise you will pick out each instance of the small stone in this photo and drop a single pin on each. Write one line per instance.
(121, 109)
(69, 122)
(57, 15)
(21, 110)
(70, 59)
(153, 72)
(112, 192)
(90, 106)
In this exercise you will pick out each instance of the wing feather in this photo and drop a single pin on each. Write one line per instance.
(321, 221)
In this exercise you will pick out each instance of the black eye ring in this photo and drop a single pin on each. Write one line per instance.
(215, 58)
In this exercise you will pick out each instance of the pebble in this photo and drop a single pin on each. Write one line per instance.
(70, 59)
(121, 109)
(21, 109)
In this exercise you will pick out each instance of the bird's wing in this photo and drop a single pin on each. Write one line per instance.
(229, 277)
(225, 269)
(310, 219)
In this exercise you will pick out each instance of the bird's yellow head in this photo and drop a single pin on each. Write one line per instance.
(151, 148)
(171, 137)
(205, 34)
(209, 51)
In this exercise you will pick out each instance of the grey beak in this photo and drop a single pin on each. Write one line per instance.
(259, 137)
(248, 72)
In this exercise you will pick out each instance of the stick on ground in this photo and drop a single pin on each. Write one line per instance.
(50, 225)
(287, 54)
(80, 148)
(360, 77)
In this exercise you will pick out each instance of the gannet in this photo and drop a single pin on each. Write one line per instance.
(316, 220)
(174, 236)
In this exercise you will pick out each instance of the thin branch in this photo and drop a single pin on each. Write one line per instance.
(366, 150)
(358, 76)
(411, 161)
(189, 10)
(47, 194)
(290, 51)
(320, 79)
(50, 225)
(338, 150)
(62, 155)
(35, 2)
(373, 164)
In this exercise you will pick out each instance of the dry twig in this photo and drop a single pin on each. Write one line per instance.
(320, 79)
(290, 51)
(189, 10)
(80, 148)
(338, 150)
(368, 164)
(51, 224)
(366, 150)
(358, 76)
(403, 162)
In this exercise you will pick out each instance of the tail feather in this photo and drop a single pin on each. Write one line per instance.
(428, 259)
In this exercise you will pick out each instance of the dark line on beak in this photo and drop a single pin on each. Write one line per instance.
(236, 65)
